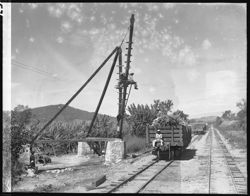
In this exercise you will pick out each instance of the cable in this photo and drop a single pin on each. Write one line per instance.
(31, 68)
(128, 96)
(18, 62)
(34, 69)
(124, 37)
(27, 68)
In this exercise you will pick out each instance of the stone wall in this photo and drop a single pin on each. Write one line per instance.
(83, 149)
(24, 157)
(115, 151)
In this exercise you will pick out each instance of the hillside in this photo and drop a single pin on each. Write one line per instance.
(207, 119)
(45, 113)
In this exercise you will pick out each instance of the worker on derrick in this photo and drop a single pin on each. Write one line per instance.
(130, 80)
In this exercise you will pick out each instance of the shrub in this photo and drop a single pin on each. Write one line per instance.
(237, 138)
(20, 135)
(6, 185)
(134, 143)
(45, 188)
(233, 131)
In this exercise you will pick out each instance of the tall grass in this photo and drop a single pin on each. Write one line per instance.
(6, 185)
(234, 133)
(134, 143)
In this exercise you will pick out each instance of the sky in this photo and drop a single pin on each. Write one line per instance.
(193, 54)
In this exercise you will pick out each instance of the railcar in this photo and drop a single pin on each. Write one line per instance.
(199, 128)
(175, 140)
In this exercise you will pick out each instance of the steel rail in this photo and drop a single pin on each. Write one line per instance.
(139, 172)
(230, 172)
(228, 159)
(210, 162)
(131, 178)
(151, 179)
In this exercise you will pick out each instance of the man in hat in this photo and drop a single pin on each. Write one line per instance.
(123, 81)
(158, 138)
(131, 80)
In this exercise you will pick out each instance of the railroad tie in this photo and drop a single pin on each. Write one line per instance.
(113, 184)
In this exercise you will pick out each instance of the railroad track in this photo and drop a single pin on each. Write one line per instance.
(238, 179)
(210, 161)
(217, 153)
(141, 178)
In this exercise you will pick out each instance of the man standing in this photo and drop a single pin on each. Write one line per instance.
(131, 80)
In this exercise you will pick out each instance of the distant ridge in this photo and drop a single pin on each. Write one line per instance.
(45, 113)
(204, 119)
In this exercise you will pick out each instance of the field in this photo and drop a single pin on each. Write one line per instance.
(134, 144)
(236, 136)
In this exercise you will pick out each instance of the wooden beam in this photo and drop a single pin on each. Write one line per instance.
(99, 181)
(88, 139)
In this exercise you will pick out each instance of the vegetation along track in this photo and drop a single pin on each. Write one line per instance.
(140, 179)
(238, 180)
(197, 137)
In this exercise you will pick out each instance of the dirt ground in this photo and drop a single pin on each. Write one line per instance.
(70, 173)
(189, 174)
(54, 178)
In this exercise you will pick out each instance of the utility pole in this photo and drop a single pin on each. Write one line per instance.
(125, 84)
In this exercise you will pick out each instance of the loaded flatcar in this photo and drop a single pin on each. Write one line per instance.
(175, 140)
(199, 128)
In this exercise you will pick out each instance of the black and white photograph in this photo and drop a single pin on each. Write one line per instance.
(139, 97)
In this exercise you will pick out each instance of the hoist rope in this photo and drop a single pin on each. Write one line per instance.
(128, 96)
(124, 37)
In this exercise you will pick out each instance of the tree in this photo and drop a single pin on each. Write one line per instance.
(242, 105)
(243, 109)
(20, 135)
(227, 115)
(142, 115)
(218, 121)
(20, 118)
(139, 117)
(242, 114)
(181, 115)
(162, 107)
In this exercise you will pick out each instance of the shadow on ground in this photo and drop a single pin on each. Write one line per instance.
(186, 155)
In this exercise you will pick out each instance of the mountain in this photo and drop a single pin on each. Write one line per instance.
(69, 114)
(208, 119)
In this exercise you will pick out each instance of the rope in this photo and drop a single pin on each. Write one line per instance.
(128, 96)
(124, 37)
